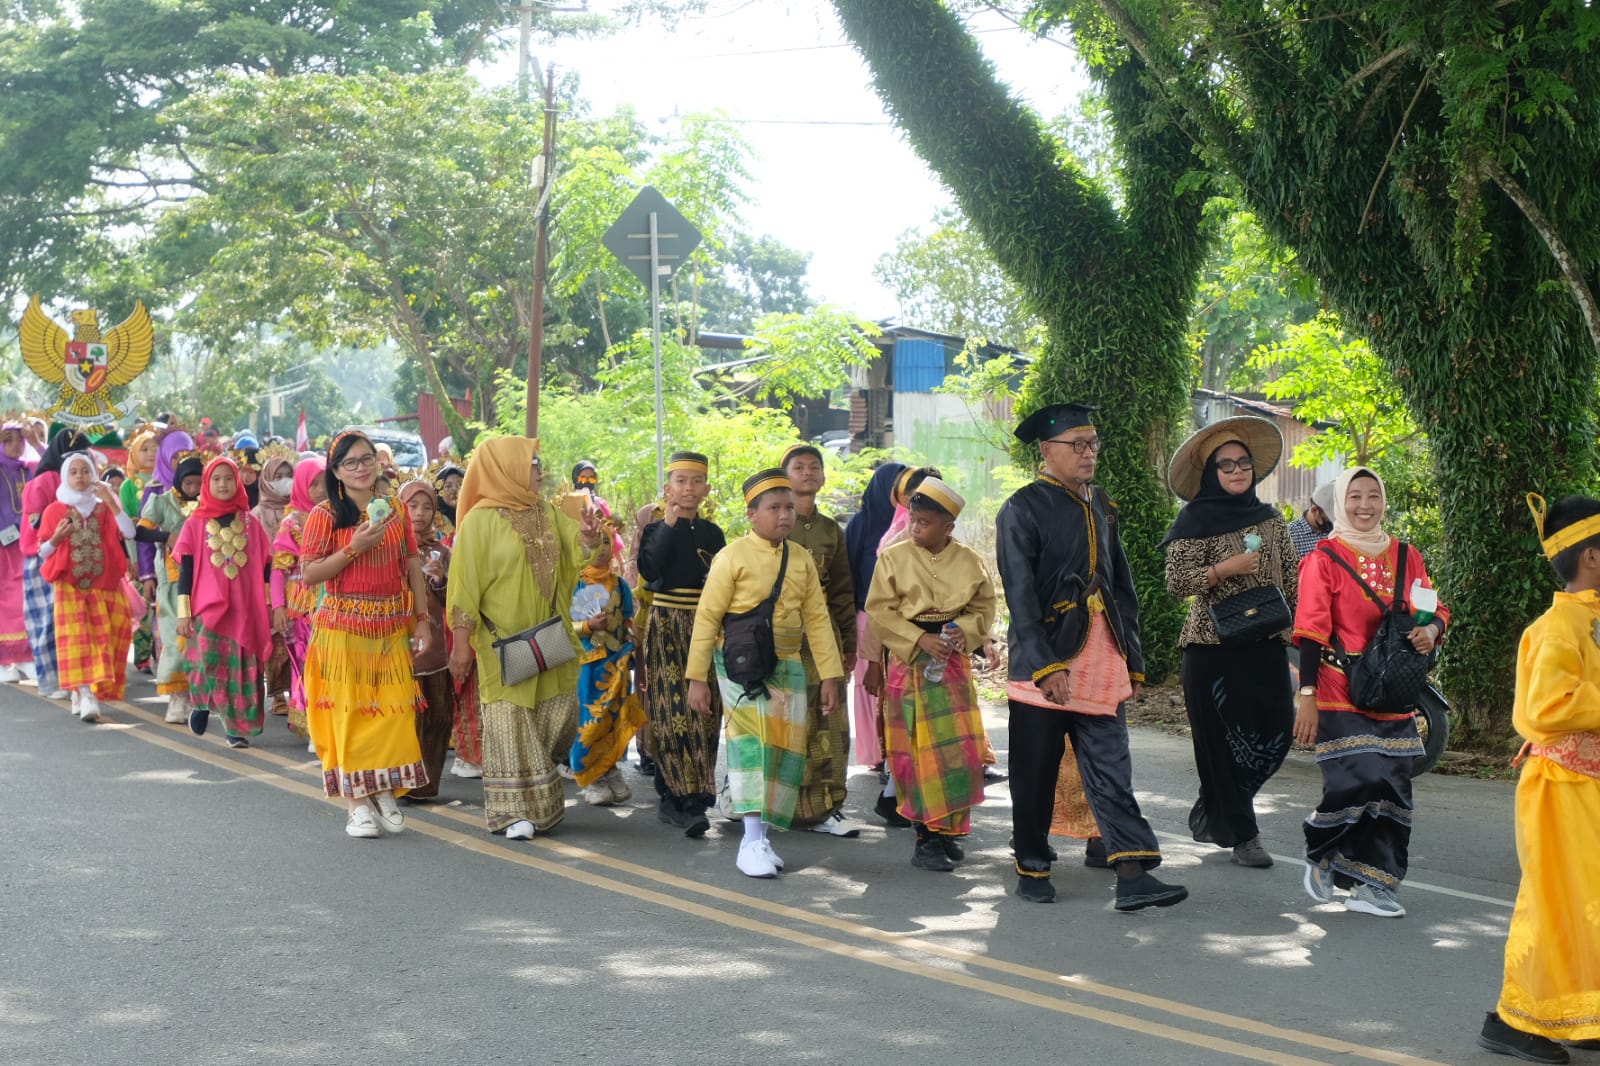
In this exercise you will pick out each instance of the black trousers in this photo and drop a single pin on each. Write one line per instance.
(1100, 743)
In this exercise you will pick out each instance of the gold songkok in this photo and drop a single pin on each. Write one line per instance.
(941, 494)
(690, 462)
(1556, 543)
(765, 481)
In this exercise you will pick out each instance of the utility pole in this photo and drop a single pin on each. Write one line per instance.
(541, 251)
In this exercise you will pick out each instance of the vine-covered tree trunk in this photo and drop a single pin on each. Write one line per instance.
(1113, 287)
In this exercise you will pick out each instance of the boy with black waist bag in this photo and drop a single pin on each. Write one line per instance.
(761, 597)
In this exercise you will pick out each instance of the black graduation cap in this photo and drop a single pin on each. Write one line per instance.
(1046, 422)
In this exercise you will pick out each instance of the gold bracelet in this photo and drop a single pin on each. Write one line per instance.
(185, 608)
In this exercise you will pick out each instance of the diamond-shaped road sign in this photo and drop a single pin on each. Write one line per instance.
(629, 236)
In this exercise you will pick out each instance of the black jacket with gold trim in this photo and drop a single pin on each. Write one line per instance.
(1056, 551)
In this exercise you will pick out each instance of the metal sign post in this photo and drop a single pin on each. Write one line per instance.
(655, 344)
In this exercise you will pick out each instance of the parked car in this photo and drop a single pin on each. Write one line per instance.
(409, 450)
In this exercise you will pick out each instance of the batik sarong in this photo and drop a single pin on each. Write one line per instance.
(766, 743)
(935, 744)
(1241, 720)
(520, 745)
(685, 742)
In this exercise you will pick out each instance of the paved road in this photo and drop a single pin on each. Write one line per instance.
(164, 899)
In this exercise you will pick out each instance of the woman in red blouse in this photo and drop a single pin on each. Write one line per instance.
(361, 700)
(1358, 836)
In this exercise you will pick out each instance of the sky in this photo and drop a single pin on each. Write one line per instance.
(832, 175)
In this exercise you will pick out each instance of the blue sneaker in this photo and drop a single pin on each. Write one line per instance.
(1319, 882)
(199, 718)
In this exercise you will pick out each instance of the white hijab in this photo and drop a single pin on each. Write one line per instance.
(86, 501)
(1375, 542)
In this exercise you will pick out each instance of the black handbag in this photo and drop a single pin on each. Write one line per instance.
(1252, 615)
(1389, 675)
(749, 651)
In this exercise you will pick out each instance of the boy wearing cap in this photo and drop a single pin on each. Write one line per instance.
(1074, 658)
(766, 728)
(827, 738)
(675, 554)
(932, 603)
(1315, 522)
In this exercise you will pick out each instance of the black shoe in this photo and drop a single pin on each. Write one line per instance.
(670, 810)
(1145, 891)
(952, 847)
(1036, 889)
(647, 765)
(993, 775)
(1094, 854)
(929, 855)
(1500, 1038)
(889, 812)
(695, 822)
(199, 718)
(1048, 850)
(238, 742)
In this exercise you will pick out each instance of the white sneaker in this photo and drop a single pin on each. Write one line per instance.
(837, 825)
(311, 745)
(598, 795)
(755, 859)
(178, 708)
(77, 705)
(522, 830)
(360, 823)
(88, 706)
(59, 694)
(29, 673)
(9, 675)
(564, 770)
(461, 768)
(620, 792)
(1370, 899)
(389, 816)
(1319, 882)
(777, 860)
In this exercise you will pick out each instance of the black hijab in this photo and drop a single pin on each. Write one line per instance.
(868, 526)
(1214, 511)
(65, 443)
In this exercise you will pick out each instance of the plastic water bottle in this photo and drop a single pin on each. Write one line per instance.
(934, 671)
(1424, 601)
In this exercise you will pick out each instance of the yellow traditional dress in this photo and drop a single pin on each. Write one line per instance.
(1552, 967)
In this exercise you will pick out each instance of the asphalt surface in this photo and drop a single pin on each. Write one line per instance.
(164, 899)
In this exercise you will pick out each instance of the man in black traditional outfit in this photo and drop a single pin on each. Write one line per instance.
(1074, 658)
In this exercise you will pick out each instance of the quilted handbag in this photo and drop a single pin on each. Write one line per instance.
(533, 651)
(1252, 615)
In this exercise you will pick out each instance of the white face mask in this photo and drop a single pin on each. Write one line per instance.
(282, 486)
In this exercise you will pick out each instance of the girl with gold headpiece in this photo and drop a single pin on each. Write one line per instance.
(766, 722)
(1551, 989)
(141, 470)
(292, 602)
(516, 564)
(608, 712)
(361, 699)
(80, 541)
(223, 560)
(1358, 836)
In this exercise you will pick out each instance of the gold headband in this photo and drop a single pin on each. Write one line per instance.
(942, 494)
(693, 466)
(900, 483)
(1557, 543)
(766, 484)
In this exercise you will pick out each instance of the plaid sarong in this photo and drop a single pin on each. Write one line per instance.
(225, 679)
(935, 743)
(39, 618)
(766, 743)
(92, 630)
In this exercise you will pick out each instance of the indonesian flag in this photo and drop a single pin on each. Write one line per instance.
(302, 443)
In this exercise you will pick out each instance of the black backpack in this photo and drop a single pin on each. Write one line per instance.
(749, 653)
(1389, 675)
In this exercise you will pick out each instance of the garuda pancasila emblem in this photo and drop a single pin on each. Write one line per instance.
(88, 365)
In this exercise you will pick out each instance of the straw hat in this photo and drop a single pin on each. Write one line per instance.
(1260, 435)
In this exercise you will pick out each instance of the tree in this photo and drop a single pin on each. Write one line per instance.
(1113, 285)
(762, 276)
(1434, 167)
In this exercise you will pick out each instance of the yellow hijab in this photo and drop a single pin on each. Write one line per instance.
(497, 476)
(133, 467)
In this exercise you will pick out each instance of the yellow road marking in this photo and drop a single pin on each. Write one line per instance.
(905, 941)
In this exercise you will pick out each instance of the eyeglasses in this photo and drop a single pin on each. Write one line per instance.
(1228, 466)
(1079, 447)
(364, 462)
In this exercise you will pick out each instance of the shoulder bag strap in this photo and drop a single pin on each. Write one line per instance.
(1401, 551)
(777, 586)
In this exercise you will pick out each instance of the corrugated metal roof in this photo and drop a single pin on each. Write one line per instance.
(919, 365)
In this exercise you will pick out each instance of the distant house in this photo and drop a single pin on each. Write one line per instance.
(1286, 484)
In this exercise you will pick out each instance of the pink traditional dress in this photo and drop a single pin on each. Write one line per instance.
(14, 647)
(222, 557)
(290, 592)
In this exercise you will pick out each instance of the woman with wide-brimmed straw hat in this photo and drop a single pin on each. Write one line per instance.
(1226, 552)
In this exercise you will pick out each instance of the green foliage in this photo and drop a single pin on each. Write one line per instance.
(1112, 278)
(1338, 383)
(762, 276)
(807, 355)
(1423, 161)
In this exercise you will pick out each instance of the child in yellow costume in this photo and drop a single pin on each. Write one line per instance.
(1551, 990)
